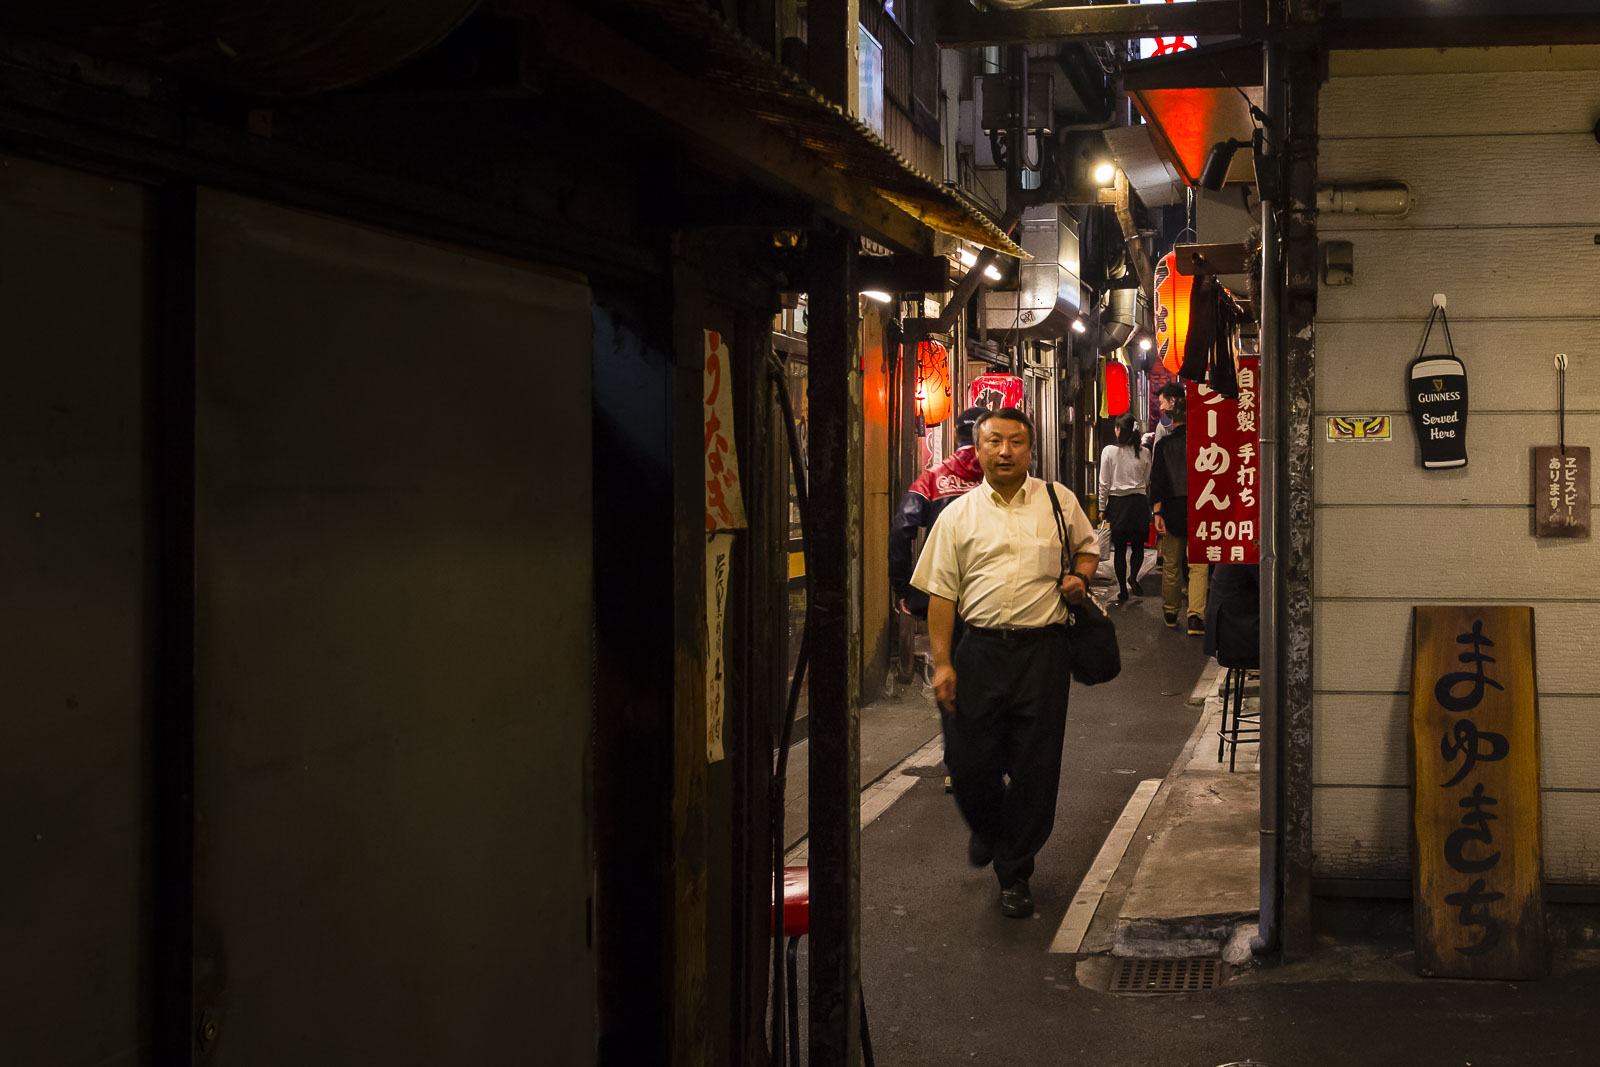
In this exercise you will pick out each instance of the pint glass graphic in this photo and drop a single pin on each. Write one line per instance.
(1437, 387)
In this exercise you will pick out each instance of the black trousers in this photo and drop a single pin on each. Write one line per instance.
(1009, 720)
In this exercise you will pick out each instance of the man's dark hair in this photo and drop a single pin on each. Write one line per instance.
(964, 423)
(1180, 411)
(1172, 391)
(1014, 414)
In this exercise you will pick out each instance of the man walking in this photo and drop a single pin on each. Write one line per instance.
(1169, 502)
(996, 558)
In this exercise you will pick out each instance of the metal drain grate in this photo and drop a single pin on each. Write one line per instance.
(1166, 976)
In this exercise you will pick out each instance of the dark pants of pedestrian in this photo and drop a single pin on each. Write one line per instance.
(1127, 556)
(1009, 720)
(1129, 519)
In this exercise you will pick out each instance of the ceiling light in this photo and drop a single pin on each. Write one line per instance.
(967, 258)
(1078, 326)
(1144, 344)
(877, 294)
(1103, 173)
(992, 273)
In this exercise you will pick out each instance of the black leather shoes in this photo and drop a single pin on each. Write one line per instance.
(1138, 590)
(1016, 902)
(979, 852)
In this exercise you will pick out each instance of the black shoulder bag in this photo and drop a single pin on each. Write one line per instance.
(1090, 631)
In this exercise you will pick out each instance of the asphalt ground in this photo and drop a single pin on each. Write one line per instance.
(949, 980)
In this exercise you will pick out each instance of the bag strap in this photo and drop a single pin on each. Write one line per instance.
(1061, 526)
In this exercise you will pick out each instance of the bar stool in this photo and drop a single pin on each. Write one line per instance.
(1244, 727)
(796, 921)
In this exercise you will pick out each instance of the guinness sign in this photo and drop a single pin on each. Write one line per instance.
(1437, 398)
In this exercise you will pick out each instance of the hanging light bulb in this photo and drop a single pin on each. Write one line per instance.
(992, 273)
(967, 258)
(877, 294)
(1078, 326)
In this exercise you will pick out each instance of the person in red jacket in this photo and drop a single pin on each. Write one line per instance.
(930, 494)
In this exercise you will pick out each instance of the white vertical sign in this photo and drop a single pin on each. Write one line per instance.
(719, 551)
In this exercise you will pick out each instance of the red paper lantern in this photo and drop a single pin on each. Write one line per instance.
(1173, 291)
(1116, 388)
(933, 383)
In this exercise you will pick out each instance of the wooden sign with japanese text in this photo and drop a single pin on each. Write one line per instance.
(1561, 491)
(1224, 509)
(1478, 896)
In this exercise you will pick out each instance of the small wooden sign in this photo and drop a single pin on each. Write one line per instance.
(1561, 491)
(1478, 895)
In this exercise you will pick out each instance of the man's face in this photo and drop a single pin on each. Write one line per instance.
(1167, 404)
(1004, 451)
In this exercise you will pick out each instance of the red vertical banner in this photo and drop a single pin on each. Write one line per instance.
(1224, 498)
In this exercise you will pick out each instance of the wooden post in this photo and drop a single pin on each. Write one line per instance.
(690, 1031)
(834, 453)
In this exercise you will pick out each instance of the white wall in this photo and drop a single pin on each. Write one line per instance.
(1505, 172)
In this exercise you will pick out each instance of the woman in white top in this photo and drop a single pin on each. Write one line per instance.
(1125, 503)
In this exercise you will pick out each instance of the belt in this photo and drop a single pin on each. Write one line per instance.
(1019, 633)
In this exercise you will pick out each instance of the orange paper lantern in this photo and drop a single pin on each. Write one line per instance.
(1173, 291)
(933, 383)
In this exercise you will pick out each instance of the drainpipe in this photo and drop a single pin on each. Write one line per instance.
(1273, 471)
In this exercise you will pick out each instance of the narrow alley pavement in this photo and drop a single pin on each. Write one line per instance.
(949, 980)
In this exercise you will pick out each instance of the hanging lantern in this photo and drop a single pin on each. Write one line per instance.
(1116, 388)
(1173, 291)
(933, 383)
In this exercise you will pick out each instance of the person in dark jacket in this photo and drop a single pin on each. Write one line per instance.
(929, 495)
(1169, 501)
(1233, 615)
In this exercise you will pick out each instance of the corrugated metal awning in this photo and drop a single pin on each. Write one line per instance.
(691, 38)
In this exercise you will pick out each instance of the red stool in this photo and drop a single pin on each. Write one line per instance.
(796, 921)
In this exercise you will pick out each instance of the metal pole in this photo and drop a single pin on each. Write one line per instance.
(1273, 472)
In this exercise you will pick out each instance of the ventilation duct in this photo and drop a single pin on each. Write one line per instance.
(1125, 310)
(1048, 294)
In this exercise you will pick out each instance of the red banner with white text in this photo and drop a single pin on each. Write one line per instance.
(1224, 499)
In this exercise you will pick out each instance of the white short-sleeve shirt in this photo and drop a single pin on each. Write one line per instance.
(1001, 563)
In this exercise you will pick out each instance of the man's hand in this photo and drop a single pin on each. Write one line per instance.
(1073, 588)
(1161, 527)
(903, 609)
(944, 687)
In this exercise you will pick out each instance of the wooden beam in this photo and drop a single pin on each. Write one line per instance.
(1482, 31)
(834, 454)
(904, 273)
(1213, 66)
(1212, 259)
(688, 1017)
(591, 51)
(1122, 204)
(962, 26)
